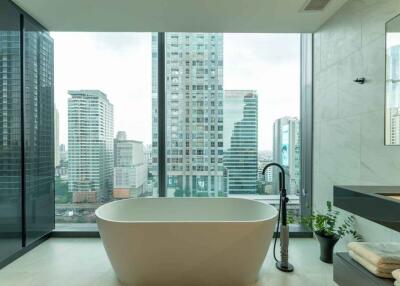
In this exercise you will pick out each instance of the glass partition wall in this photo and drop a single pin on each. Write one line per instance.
(26, 132)
(225, 105)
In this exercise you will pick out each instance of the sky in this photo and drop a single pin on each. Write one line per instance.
(119, 64)
(392, 39)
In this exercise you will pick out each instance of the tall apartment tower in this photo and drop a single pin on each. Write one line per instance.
(286, 151)
(241, 141)
(90, 146)
(194, 113)
(393, 96)
(56, 137)
(130, 167)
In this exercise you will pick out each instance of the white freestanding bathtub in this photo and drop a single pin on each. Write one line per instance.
(186, 241)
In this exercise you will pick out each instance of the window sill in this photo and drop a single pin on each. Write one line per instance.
(90, 230)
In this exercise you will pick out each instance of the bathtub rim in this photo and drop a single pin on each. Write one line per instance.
(269, 218)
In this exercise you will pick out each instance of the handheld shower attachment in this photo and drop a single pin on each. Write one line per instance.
(282, 264)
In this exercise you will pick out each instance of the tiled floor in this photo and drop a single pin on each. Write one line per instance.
(83, 262)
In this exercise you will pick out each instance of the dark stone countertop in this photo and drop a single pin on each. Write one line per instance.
(370, 203)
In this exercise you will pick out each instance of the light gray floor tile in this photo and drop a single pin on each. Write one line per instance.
(83, 262)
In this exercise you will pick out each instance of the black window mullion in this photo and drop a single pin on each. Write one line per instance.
(161, 117)
(306, 115)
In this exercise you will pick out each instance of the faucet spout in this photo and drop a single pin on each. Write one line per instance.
(281, 177)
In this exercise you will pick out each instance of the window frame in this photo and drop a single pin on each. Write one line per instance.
(306, 119)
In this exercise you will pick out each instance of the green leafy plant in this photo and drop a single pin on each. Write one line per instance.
(326, 224)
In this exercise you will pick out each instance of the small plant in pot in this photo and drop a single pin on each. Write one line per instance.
(328, 232)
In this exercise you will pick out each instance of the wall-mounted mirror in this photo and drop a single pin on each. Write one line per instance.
(392, 99)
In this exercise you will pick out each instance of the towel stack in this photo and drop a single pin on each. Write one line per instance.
(396, 275)
(381, 259)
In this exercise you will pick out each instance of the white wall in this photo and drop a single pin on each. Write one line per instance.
(349, 117)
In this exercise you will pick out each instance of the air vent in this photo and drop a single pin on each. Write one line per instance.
(315, 5)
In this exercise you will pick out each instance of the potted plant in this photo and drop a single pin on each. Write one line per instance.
(327, 232)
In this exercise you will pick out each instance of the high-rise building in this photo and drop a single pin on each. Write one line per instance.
(63, 153)
(393, 125)
(286, 151)
(241, 141)
(393, 96)
(194, 113)
(90, 146)
(130, 168)
(56, 137)
(267, 177)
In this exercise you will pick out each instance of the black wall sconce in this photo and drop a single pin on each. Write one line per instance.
(360, 80)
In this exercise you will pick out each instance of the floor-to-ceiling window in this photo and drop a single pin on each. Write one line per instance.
(232, 104)
(103, 121)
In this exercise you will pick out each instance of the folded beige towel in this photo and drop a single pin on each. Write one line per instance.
(369, 266)
(396, 274)
(377, 253)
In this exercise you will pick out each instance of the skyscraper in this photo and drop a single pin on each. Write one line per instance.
(393, 125)
(194, 113)
(286, 151)
(90, 146)
(241, 141)
(56, 137)
(130, 168)
(63, 153)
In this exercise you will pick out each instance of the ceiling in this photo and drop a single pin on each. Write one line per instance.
(263, 16)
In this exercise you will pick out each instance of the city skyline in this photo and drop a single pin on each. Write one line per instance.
(129, 55)
(212, 146)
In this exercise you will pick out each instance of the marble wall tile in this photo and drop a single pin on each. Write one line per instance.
(326, 94)
(354, 98)
(380, 164)
(341, 36)
(340, 148)
(348, 117)
(374, 16)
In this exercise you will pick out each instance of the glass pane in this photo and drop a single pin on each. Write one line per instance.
(103, 121)
(392, 100)
(38, 130)
(10, 132)
(232, 106)
(194, 114)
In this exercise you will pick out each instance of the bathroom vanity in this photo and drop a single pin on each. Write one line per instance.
(380, 204)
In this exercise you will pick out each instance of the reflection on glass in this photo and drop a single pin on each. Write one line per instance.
(38, 131)
(10, 132)
(392, 112)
